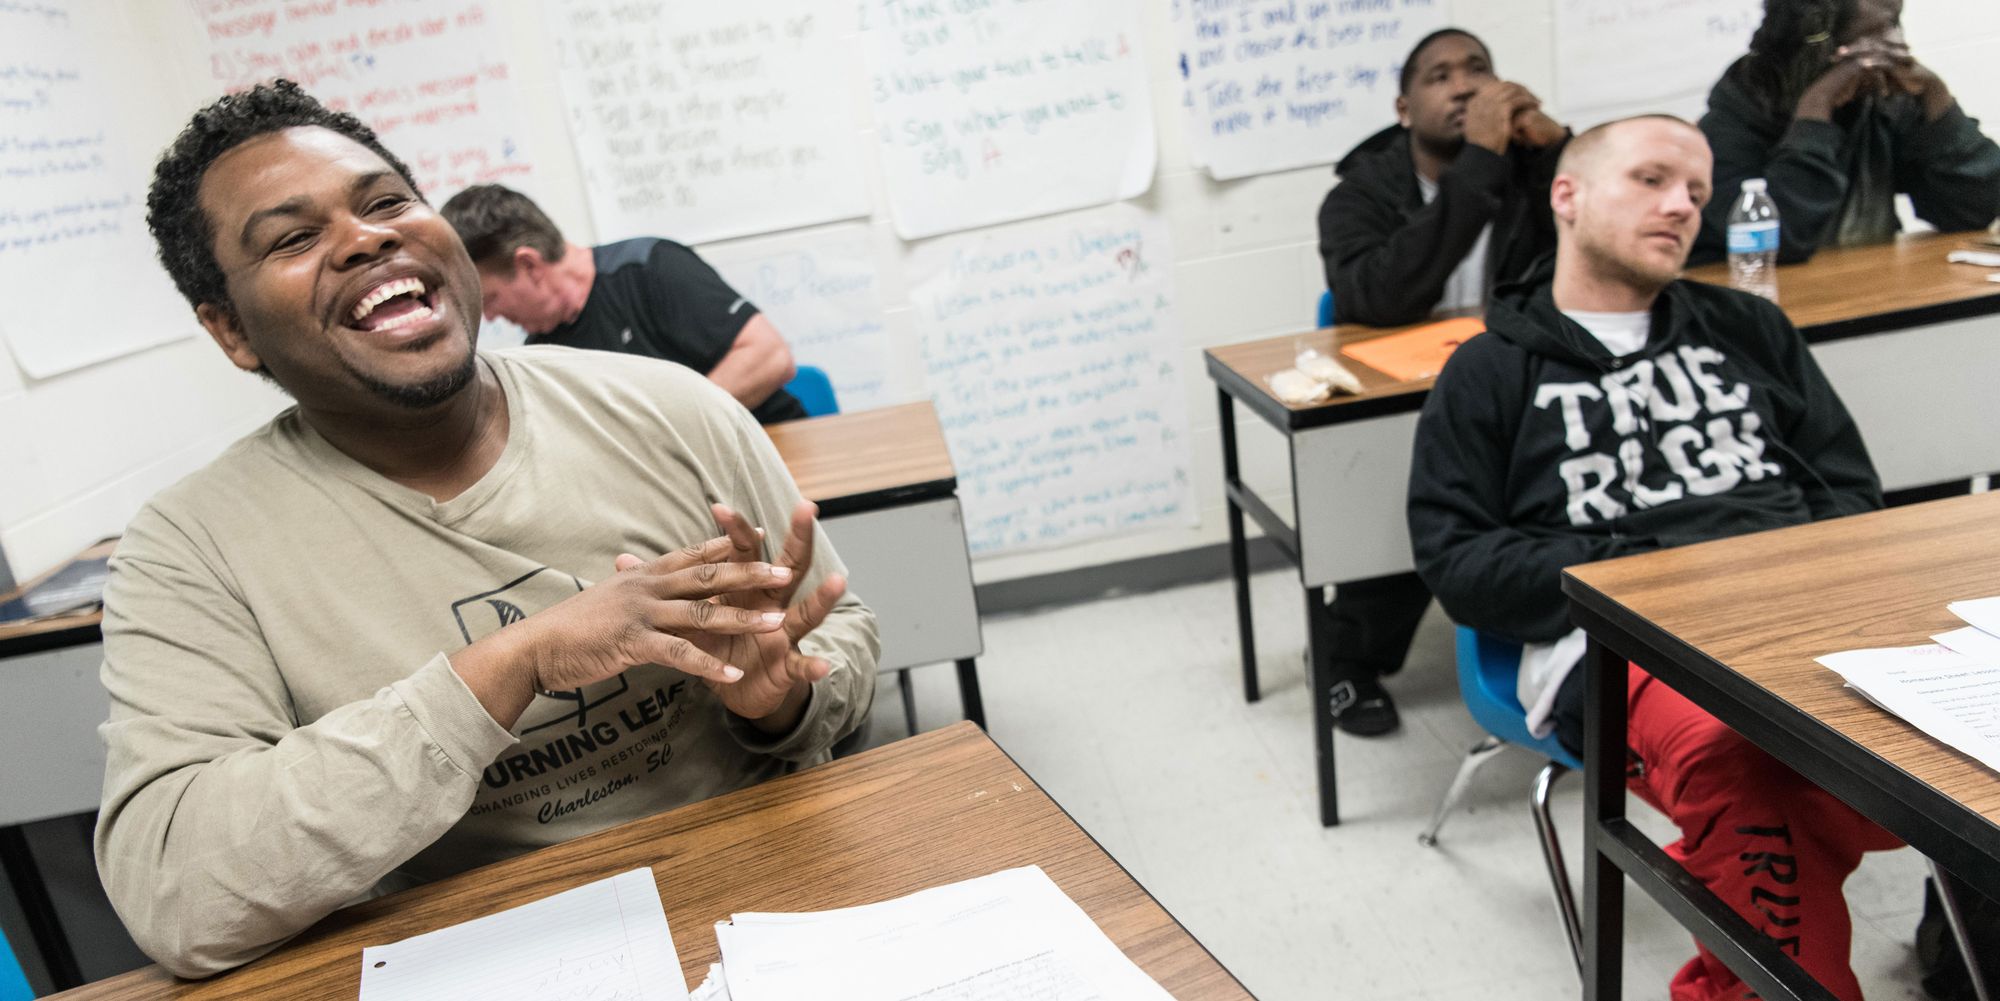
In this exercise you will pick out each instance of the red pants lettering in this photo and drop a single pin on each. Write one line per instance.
(1770, 844)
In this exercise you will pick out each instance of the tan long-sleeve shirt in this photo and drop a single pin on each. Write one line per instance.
(287, 735)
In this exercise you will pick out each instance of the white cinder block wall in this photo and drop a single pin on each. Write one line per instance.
(80, 452)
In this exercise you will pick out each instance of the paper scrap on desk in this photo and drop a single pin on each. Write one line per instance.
(603, 941)
(1946, 694)
(1416, 353)
(1011, 935)
(1972, 642)
(714, 986)
(1982, 613)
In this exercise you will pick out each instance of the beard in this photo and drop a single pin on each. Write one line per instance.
(1444, 148)
(427, 393)
(1630, 270)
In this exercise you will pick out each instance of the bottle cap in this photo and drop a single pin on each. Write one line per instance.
(1753, 186)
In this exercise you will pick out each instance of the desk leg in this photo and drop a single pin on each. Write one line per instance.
(968, 692)
(909, 701)
(1319, 652)
(33, 895)
(1603, 801)
(1239, 549)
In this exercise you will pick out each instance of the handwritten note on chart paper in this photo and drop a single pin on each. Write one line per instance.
(708, 121)
(821, 290)
(1276, 84)
(994, 110)
(1610, 60)
(430, 78)
(76, 263)
(1051, 351)
(603, 941)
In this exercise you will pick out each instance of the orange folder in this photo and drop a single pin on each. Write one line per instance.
(1416, 353)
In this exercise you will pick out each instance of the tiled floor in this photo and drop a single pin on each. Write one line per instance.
(1129, 711)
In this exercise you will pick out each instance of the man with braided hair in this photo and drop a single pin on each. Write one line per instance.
(1830, 107)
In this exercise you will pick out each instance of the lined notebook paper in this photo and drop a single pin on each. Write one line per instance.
(603, 941)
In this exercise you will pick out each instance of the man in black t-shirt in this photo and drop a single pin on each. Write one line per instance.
(644, 296)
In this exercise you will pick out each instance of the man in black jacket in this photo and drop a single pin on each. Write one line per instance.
(1612, 408)
(1431, 212)
(1830, 108)
(1427, 215)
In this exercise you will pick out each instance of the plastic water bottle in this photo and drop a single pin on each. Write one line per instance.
(1753, 241)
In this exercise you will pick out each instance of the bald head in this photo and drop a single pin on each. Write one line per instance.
(1628, 197)
(1586, 152)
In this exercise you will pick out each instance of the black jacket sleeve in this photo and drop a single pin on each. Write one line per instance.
(1839, 479)
(1951, 171)
(1487, 573)
(1386, 270)
(1806, 181)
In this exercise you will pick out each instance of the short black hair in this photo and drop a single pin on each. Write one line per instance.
(494, 221)
(1410, 61)
(184, 234)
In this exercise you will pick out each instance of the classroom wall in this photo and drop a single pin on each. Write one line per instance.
(80, 452)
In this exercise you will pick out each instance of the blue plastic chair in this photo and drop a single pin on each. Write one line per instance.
(1325, 315)
(1487, 669)
(814, 391)
(13, 982)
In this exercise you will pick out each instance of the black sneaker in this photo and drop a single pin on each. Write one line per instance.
(1362, 707)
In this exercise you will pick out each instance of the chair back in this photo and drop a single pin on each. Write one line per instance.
(814, 391)
(1324, 317)
(13, 982)
(1488, 667)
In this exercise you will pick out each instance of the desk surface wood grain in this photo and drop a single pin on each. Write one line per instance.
(60, 623)
(941, 807)
(1765, 605)
(869, 451)
(1849, 283)
(1256, 360)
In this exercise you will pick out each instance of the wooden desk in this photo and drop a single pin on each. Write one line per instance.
(886, 490)
(1898, 331)
(1734, 625)
(1353, 526)
(50, 705)
(866, 460)
(35, 635)
(1850, 291)
(937, 808)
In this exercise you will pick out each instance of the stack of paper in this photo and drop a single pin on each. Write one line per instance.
(1949, 689)
(1011, 935)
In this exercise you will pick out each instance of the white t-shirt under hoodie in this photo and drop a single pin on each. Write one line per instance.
(1545, 665)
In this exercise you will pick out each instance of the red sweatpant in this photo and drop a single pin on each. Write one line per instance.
(1766, 841)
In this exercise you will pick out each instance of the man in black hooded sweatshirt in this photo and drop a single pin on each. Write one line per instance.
(1830, 108)
(1612, 408)
(1428, 215)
